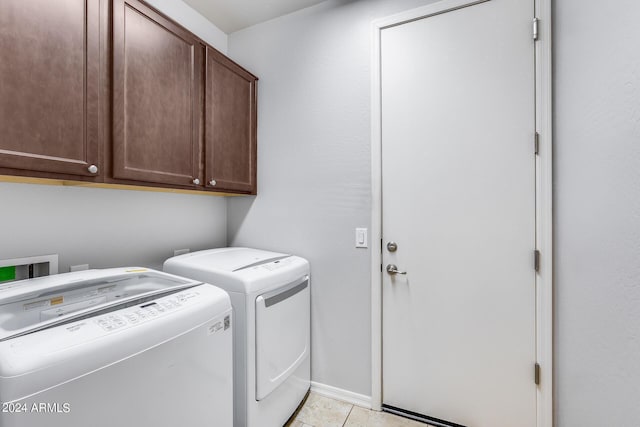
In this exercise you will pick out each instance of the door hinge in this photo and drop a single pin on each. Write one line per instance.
(535, 28)
(536, 373)
(536, 260)
(380, 268)
(536, 143)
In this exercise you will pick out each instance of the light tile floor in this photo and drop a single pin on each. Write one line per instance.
(321, 411)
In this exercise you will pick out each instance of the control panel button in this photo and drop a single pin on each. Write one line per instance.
(138, 314)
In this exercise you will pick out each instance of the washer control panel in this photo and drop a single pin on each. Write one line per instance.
(144, 312)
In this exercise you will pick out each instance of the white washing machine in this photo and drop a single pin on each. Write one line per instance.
(270, 297)
(116, 347)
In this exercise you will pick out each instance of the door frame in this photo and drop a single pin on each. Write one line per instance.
(543, 191)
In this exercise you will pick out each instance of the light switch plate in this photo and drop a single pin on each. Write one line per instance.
(361, 238)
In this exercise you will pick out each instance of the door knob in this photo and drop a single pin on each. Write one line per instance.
(212, 182)
(393, 269)
(93, 169)
(196, 181)
(392, 246)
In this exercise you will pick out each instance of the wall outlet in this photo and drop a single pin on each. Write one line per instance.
(177, 252)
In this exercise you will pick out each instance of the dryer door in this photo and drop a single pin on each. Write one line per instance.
(282, 334)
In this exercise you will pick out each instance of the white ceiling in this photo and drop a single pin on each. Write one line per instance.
(234, 15)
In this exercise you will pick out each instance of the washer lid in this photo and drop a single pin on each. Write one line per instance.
(229, 259)
(31, 305)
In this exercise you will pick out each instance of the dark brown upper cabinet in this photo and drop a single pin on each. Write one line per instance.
(230, 125)
(112, 91)
(157, 98)
(50, 88)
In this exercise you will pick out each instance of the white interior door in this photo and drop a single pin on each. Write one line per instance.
(458, 199)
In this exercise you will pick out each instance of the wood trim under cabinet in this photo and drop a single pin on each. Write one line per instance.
(87, 184)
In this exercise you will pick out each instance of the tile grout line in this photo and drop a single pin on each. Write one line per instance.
(348, 415)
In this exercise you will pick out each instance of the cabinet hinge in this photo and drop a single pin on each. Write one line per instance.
(536, 373)
(536, 260)
(535, 29)
(536, 143)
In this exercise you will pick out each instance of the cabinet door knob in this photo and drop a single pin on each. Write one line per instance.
(93, 169)
(212, 182)
(196, 181)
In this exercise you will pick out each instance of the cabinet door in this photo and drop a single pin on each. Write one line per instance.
(230, 125)
(157, 100)
(50, 86)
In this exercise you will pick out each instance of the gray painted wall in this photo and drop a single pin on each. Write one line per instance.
(597, 213)
(189, 18)
(110, 228)
(314, 168)
(104, 227)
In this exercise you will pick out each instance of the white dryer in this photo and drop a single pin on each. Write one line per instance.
(270, 295)
(116, 347)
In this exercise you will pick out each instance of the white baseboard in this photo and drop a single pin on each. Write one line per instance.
(340, 394)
